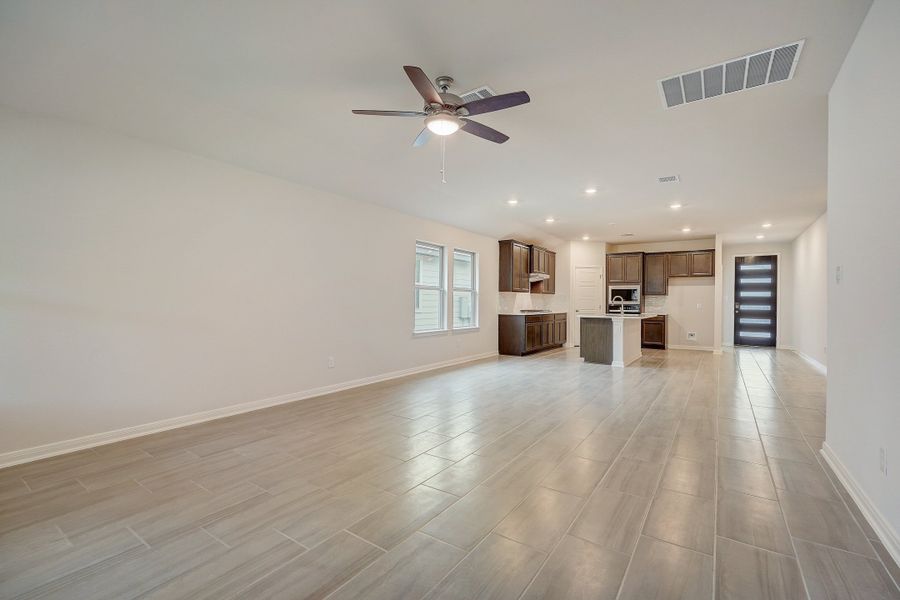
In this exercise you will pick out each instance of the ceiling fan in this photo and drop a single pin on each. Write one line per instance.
(445, 113)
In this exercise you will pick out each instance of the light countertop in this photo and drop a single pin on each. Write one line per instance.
(618, 316)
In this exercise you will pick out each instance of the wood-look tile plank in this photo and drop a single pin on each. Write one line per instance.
(612, 520)
(747, 573)
(578, 569)
(391, 524)
(660, 570)
(317, 572)
(754, 521)
(689, 477)
(825, 522)
(409, 474)
(471, 518)
(407, 572)
(541, 519)
(682, 519)
(746, 478)
(576, 475)
(498, 569)
(834, 573)
(633, 477)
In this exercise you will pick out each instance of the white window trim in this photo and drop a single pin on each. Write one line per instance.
(473, 289)
(442, 288)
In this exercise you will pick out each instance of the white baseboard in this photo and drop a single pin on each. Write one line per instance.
(815, 364)
(879, 524)
(25, 455)
(679, 347)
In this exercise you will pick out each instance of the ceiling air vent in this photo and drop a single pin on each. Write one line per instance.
(669, 179)
(753, 70)
(479, 93)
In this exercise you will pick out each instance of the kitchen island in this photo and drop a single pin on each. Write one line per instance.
(611, 339)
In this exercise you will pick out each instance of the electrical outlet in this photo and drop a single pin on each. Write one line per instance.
(330, 362)
(692, 335)
(699, 306)
(882, 461)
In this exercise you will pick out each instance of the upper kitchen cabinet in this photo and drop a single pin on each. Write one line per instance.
(656, 275)
(702, 263)
(698, 263)
(625, 268)
(515, 262)
(548, 264)
(518, 259)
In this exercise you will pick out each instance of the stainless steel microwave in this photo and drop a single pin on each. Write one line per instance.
(630, 294)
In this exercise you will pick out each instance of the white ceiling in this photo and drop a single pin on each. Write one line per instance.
(269, 86)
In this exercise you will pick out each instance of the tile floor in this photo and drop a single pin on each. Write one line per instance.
(683, 476)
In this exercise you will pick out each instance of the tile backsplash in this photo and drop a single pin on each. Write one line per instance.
(513, 302)
(655, 304)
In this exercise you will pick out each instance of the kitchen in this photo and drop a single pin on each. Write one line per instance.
(654, 295)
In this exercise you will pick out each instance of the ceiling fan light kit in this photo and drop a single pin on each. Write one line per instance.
(442, 123)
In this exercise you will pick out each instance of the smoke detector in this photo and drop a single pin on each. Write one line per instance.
(740, 74)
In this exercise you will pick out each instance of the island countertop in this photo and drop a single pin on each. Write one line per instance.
(618, 316)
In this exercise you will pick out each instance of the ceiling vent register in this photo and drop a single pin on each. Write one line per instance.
(754, 70)
(477, 94)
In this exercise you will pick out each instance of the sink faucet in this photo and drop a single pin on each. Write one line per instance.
(621, 304)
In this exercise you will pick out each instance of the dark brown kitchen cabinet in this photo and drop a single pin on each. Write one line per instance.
(515, 262)
(522, 334)
(702, 263)
(653, 332)
(679, 264)
(697, 263)
(548, 263)
(625, 268)
(656, 274)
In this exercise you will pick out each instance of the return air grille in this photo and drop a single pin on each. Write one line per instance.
(753, 70)
(477, 94)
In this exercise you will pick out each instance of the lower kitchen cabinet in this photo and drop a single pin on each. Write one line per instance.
(524, 334)
(653, 332)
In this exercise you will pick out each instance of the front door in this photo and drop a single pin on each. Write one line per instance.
(755, 300)
(588, 296)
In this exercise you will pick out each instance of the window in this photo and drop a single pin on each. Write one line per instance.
(430, 288)
(465, 292)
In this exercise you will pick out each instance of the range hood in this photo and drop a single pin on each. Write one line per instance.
(534, 277)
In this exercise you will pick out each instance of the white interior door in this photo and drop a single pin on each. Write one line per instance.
(588, 296)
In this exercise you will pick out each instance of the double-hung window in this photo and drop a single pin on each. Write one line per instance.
(431, 287)
(465, 292)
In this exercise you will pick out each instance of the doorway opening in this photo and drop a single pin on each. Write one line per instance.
(755, 300)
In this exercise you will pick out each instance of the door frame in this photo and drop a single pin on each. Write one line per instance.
(778, 295)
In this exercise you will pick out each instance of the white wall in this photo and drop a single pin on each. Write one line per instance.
(139, 283)
(785, 311)
(863, 241)
(810, 291)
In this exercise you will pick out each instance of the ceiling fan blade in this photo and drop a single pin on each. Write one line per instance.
(391, 113)
(483, 131)
(423, 84)
(422, 138)
(486, 105)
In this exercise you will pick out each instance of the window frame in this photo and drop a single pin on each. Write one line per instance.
(441, 288)
(473, 290)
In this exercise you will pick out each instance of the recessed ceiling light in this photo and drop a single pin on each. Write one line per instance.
(627, 235)
(685, 230)
(767, 225)
(585, 237)
(512, 201)
(549, 220)
(760, 236)
(675, 206)
(590, 190)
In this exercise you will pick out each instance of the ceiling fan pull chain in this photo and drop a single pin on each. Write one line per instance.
(443, 176)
